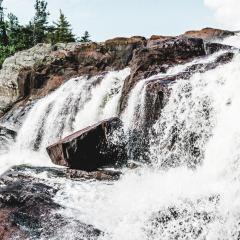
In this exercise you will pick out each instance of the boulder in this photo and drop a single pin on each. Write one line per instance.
(90, 148)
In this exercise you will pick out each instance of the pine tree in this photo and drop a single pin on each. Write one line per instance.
(63, 32)
(21, 37)
(13, 29)
(85, 38)
(3, 34)
(40, 21)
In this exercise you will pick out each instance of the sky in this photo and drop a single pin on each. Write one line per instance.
(105, 19)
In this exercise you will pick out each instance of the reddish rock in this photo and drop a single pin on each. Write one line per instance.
(209, 33)
(85, 59)
(90, 148)
(27, 207)
(159, 56)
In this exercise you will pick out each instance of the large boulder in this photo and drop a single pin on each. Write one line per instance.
(93, 147)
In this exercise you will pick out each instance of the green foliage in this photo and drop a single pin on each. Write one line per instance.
(63, 32)
(85, 38)
(15, 37)
(3, 34)
(40, 21)
(21, 37)
(5, 52)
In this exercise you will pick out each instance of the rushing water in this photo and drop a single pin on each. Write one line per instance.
(190, 189)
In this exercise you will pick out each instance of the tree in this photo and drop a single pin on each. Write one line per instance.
(40, 21)
(63, 32)
(21, 37)
(3, 34)
(85, 38)
(6, 51)
(13, 29)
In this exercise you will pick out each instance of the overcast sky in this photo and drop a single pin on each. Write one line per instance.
(106, 19)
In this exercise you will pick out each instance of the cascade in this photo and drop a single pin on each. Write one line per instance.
(191, 187)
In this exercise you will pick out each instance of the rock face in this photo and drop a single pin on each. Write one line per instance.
(90, 148)
(156, 95)
(10, 71)
(27, 208)
(7, 137)
(209, 33)
(33, 73)
(159, 56)
(37, 71)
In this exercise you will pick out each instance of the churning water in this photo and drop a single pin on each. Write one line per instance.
(191, 187)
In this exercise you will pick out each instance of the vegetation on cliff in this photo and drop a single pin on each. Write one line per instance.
(16, 37)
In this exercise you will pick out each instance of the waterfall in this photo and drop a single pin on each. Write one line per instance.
(195, 196)
(190, 188)
(78, 103)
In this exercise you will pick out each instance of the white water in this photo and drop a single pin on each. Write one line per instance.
(152, 203)
(78, 103)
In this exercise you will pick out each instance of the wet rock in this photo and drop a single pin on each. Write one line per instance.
(100, 175)
(190, 219)
(28, 210)
(159, 56)
(7, 137)
(35, 72)
(156, 95)
(158, 91)
(93, 147)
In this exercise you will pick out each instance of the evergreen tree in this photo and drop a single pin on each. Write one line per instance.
(21, 37)
(13, 29)
(15, 37)
(85, 38)
(40, 21)
(63, 31)
(3, 34)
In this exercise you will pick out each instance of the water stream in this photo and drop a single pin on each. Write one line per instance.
(191, 187)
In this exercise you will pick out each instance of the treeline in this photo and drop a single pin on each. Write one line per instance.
(16, 37)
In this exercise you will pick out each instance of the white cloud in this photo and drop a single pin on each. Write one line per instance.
(227, 12)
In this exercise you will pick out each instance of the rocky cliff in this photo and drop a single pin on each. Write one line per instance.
(33, 73)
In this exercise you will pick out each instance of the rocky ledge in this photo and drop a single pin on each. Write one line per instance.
(34, 73)
(27, 206)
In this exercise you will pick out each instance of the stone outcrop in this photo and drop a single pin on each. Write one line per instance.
(91, 148)
(157, 92)
(27, 208)
(11, 68)
(159, 56)
(33, 73)
(209, 33)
